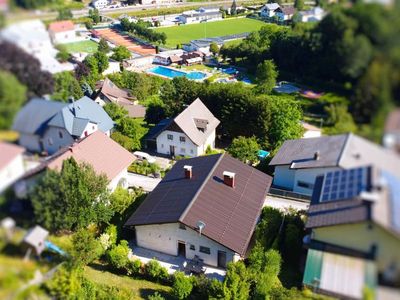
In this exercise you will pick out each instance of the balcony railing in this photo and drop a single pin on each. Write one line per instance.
(289, 194)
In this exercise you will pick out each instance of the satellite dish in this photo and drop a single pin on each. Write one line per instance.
(200, 226)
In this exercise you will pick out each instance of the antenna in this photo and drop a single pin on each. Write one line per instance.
(200, 226)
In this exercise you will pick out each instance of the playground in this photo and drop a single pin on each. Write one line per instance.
(119, 39)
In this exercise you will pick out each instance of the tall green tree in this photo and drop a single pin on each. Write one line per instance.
(244, 149)
(266, 76)
(103, 46)
(267, 278)
(85, 247)
(120, 53)
(236, 283)
(299, 4)
(64, 14)
(12, 96)
(66, 86)
(71, 198)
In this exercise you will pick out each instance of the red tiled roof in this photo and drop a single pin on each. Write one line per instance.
(8, 152)
(101, 152)
(61, 26)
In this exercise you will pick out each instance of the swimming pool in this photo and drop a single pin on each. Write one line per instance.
(171, 73)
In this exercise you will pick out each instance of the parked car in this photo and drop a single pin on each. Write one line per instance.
(144, 156)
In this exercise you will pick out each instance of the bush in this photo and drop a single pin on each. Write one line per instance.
(156, 296)
(85, 247)
(182, 286)
(134, 267)
(155, 271)
(109, 238)
(118, 255)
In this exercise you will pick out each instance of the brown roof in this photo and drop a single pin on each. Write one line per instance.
(175, 58)
(230, 214)
(134, 110)
(61, 26)
(8, 152)
(98, 150)
(115, 94)
(288, 10)
(393, 122)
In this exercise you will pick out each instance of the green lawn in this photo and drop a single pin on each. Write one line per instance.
(138, 288)
(84, 46)
(185, 33)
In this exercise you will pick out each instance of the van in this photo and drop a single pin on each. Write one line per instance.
(144, 156)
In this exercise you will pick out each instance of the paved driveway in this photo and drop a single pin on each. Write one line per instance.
(145, 182)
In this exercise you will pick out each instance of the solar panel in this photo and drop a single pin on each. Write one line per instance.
(344, 184)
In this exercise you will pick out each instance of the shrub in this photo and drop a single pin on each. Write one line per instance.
(156, 296)
(118, 255)
(182, 286)
(85, 247)
(109, 238)
(155, 271)
(134, 267)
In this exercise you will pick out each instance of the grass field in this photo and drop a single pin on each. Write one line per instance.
(185, 33)
(84, 46)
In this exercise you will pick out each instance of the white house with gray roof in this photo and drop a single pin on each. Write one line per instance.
(299, 162)
(188, 134)
(47, 126)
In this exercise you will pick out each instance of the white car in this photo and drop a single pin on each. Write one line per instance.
(144, 156)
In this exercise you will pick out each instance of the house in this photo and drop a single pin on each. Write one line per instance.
(168, 57)
(299, 162)
(188, 134)
(192, 58)
(203, 14)
(313, 15)
(98, 150)
(206, 206)
(268, 10)
(202, 45)
(62, 32)
(310, 131)
(391, 136)
(33, 37)
(35, 240)
(285, 13)
(355, 234)
(11, 164)
(138, 62)
(108, 92)
(47, 126)
(100, 4)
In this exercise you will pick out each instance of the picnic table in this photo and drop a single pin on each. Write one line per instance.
(196, 265)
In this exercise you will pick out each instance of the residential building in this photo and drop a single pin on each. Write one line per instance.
(188, 134)
(299, 162)
(47, 126)
(206, 206)
(98, 150)
(285, 13)
(391, 136)
(268, 10)
(315, 14)
(33, 37)
(310, 131)
(203, 14)
(136, 63)
(355, 234)
(108, 92)
(168, 57)
(100, 4)
(11, 164)
(202, 45)
(62, 32)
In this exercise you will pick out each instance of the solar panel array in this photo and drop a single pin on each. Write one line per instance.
(344, 184)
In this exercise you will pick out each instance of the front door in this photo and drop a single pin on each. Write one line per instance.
(172, 150)
(221, 259)
(181, 249)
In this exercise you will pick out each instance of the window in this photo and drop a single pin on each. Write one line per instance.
(181, 226)
(170, 137)
(183, 150)
(191, 151)
(60, 134)
(162, 145)
(205, 250)
(305, 185)
(50, 141)
(182, 139)
(192, 247)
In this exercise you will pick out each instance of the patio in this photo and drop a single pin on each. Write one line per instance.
(172, 263)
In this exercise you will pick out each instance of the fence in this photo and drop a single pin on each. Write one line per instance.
(289, 194)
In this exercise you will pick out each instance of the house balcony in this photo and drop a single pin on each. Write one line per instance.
(276, 191)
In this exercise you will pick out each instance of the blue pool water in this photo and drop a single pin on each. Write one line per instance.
(171, 73)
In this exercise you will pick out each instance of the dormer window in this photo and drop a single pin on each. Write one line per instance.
(201, 124)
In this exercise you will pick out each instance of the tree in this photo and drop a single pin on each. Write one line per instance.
(72, 198)
(133, 129)
(94, 15)
(120, 53)
(299, 4)
(244, 149)
(182, 286)
(117, 113)
(118, 255)
(214, 48)
(85, 248)
(64, 14)
(103, 46)
(233, 8)
(102, 61)
(154, 112)
(62, 55)
(266, 76)
(12, 96)
(125, 141)
(121, 199)
(236, 284)
(267, 278)
(66, 86)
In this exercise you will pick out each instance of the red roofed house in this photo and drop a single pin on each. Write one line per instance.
(62, 32)
(98, 150)
(11, 164)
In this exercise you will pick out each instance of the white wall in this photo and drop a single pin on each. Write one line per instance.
(163, 144)
(89, 129)
(30, 142)
(114, 182)
(11, 172)
(164, 238)
(284, 177)
(63, 37)
(55, 138)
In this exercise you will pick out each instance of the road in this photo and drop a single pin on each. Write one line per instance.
(146, 183)
(283, 203)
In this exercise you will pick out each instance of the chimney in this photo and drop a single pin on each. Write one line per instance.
(229, 178)
(188, 171)
(316, 155)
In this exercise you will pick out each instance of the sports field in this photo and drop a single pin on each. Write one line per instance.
(87, 46)
(185, 33)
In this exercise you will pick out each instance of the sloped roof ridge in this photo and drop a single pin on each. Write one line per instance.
(344, 149)
(201, 187)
